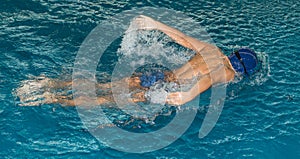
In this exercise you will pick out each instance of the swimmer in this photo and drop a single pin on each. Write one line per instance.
(209, 64)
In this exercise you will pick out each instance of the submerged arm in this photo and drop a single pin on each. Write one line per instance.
(221, 74)
(179, 98)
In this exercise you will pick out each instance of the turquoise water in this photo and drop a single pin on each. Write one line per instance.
(259, 120)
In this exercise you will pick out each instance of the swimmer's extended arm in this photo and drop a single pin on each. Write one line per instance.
(148, 23)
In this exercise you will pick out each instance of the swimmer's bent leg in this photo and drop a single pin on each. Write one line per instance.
(83, 101)
(48, 98)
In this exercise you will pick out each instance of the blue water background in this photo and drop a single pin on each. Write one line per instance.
(43, 37)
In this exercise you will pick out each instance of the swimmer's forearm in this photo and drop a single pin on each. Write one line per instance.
(176, 35)
(148, 23)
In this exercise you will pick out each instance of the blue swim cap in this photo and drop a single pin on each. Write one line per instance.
(244, 61)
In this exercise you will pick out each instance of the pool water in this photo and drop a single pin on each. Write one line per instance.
(259, 120)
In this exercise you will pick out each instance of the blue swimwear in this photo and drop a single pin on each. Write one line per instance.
(148, 80)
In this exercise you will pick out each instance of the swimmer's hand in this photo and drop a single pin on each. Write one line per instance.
(176, 98)
(145, 23)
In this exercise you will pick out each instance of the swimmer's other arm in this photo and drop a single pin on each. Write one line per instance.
(147, 23)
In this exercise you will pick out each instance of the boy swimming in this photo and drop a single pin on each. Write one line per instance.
(220, 69)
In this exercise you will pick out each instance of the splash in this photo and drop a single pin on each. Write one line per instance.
(34, 92)
(263, 74)
(152, 45)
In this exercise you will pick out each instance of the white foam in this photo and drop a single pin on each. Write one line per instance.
(144, 45)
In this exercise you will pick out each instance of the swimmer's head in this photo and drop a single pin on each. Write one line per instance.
(244, 61)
